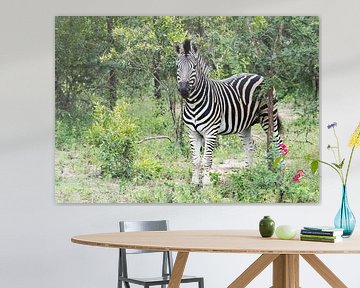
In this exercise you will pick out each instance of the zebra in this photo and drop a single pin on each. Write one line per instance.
(219, 107)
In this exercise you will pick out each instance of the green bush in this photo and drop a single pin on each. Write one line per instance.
(64, 135)
(255, 184)
(148, 168)
(68, 132)
(113, 133)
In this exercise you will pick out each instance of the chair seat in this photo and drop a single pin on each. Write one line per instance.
(158, 280)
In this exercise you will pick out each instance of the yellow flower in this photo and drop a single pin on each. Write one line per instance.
(355, 138)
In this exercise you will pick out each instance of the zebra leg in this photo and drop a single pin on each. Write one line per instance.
(249, 145)
(277, 140)
(196, 141)
(210, 141)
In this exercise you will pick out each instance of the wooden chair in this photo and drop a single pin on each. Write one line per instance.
(167, 261)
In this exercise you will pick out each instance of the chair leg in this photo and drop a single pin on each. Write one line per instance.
(126, 284)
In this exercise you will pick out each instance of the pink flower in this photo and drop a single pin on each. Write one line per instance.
(298, 175)
(284, 149)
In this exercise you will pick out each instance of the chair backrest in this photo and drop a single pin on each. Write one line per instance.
(133, 226)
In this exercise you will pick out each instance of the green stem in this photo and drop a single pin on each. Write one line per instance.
(336, 160)
(351, 155)
(336, 169)
(339, 160)
(348, 166)
(337, 145)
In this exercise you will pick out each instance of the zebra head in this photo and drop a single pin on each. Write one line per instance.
(186, 63)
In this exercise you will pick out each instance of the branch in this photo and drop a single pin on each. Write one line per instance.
(153, 138)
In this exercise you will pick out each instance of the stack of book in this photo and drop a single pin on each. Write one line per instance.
(321, 234)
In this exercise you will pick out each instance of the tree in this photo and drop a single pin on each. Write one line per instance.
(112, 81)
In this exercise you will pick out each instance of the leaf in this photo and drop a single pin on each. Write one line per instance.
(342, 163)
(276, 162)
(336, 165)
(339, 166)
(314, 166)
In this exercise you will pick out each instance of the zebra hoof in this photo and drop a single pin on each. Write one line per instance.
(196, 181)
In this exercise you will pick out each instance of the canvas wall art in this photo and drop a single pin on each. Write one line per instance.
(170, 109)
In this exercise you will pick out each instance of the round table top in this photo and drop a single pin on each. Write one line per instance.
(219, 241)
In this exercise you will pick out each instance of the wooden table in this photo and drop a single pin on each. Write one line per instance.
(284, 254)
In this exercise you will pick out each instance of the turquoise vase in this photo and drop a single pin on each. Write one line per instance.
(345, 219)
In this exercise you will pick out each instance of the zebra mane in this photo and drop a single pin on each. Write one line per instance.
(187, 46)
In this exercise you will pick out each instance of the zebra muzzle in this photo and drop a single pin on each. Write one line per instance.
(184, 88)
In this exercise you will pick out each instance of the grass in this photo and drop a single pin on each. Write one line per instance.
(162, 171)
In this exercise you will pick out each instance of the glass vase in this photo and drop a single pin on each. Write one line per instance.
(345, 219)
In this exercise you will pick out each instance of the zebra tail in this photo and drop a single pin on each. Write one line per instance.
(280, 125)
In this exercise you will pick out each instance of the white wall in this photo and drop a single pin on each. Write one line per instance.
(35, 248)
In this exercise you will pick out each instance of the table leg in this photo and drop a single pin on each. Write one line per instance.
(286, 271)
(178, 270)
(324, 271)
(253, 270)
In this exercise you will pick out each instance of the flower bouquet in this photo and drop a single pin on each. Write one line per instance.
(345, 218)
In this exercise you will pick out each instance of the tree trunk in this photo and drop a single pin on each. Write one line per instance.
(277, 41)
(255, 40)
(112, 87)
(178, 122)
(156, 75)
(112, 80)
(180, 130)
(62, 100)
(270, 93)
(270, 105)
(316, 85)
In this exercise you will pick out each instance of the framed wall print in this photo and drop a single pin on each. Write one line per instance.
(170, 109)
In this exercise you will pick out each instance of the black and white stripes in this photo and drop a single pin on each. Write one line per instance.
(215, 107)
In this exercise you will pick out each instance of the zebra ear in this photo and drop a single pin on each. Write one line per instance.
(187, 46)
(177, 48)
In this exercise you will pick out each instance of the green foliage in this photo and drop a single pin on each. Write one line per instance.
(140, 51)
(147, 167)
(79, 42)
(153, 120)
(254, 184)
(261, 185)
(314, 166)
(66, 135)
(215, 178)
(114, 134)
(70, 129)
